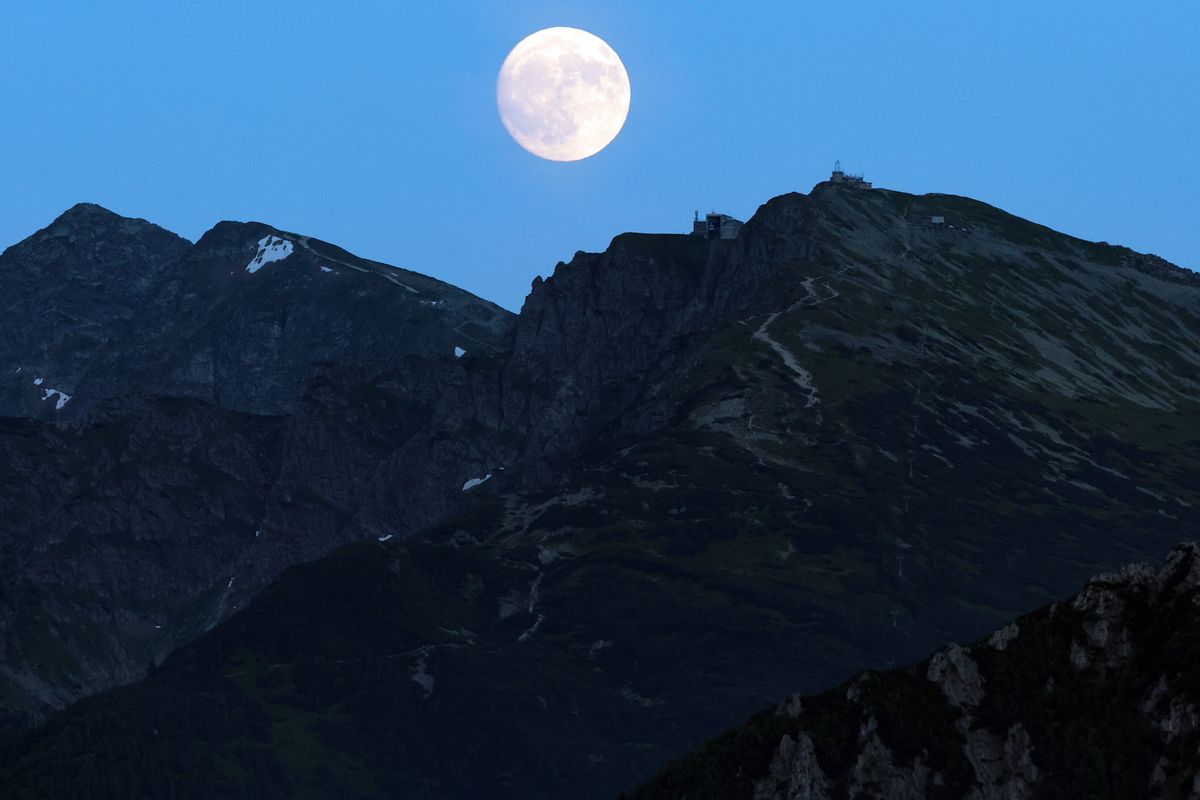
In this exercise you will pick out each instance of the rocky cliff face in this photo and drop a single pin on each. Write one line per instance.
(691, 477)
(1092, 697)
(591, 339)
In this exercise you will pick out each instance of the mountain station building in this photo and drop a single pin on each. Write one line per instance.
(716, 226)
(849, 179)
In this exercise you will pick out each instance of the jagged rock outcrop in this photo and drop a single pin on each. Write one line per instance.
(957, 675)
(1031, 719)
(794, 773)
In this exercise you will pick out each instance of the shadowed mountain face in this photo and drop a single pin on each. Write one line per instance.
(73, 291)
(1096, 696)
(720, 472)
(187, 421)
(98, 307)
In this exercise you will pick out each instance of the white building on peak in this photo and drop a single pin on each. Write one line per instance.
(850, 179)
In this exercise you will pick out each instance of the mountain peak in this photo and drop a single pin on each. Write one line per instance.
(93, 220)
(77, 233)
(84, 210)
(84, 226)
(89, 215)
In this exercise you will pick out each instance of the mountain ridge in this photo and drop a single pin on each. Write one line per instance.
(184, 291)
(718, 474)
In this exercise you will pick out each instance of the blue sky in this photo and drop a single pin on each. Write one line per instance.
(374, 125)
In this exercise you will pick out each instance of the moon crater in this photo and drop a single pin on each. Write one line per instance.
(563, 94)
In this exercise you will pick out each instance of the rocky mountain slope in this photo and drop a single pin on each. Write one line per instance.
(1096, 696)
(702, 475)
(187, 421)
(70, 292)
(97, 306)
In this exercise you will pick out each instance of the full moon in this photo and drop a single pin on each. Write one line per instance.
(563, 94)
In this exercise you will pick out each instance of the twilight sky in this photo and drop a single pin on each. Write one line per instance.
(374, 125)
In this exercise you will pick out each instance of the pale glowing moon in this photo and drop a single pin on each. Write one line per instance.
(563, 94)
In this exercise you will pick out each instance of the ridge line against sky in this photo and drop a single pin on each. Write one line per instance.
(374, 126)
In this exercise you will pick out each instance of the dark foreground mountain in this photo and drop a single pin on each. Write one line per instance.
(1096, 697)
(691, 477)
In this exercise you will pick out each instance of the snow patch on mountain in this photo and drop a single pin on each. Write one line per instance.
(473, 482)
(419, 674)
(63, 398)
(270, 248)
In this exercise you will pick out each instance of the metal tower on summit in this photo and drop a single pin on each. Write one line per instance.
(855, 180)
